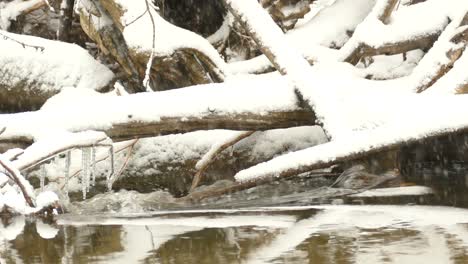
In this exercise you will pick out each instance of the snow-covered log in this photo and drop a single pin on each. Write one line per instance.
(232, 105)
(363, 143)
(448, 49)
(384, 32)
(148, 47)
(33, 69)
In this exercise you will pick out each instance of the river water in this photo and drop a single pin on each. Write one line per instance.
(123, 228)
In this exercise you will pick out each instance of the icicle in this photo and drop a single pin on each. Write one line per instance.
(85, 168)
(93, 166)
(67, 171)
(42, 176)
(111, 168)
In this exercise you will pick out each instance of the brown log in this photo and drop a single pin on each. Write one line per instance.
(111, 41)
(173, 125)
(385, 13)
(418, 42)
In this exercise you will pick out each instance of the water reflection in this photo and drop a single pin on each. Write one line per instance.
(323, 234)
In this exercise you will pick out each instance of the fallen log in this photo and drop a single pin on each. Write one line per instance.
(328, 154)
(215, 106)
(154, 55)
(34, 69)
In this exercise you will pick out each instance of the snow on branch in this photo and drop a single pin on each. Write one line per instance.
(203, 164)
(57, 143)
(13, 173)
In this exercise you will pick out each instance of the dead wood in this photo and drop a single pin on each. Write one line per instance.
(66, 20)
(184, 67)
(130, 129)
(213, 155)
(242, 122)
(459, 42)
(240, 186)
(386, 11)
(383, 12)
(11, 173)
(417, 42)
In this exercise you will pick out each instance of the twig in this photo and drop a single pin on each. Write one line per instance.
(24, 45)
(210, 157)
(18, 180)
(146, 80)
(125, 164)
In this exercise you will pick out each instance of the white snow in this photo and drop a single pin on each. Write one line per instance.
(281, 221)
(48, 65)
(11, 231)
(46, 198)
(9, 11)
(396, 191)
(46, 231)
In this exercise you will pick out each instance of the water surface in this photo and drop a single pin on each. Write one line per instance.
(320, 234)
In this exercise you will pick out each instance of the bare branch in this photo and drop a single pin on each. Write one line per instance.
(210, 157)
(19, 180)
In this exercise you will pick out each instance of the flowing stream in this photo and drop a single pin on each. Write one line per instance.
(314, 226)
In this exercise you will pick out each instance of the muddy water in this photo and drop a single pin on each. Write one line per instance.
(117, 228)
(321, 234)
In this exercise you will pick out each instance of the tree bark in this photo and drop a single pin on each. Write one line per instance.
(66, 19)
